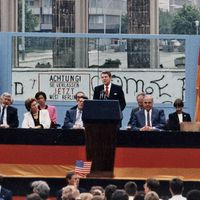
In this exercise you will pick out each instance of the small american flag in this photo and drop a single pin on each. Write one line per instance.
(82, 168)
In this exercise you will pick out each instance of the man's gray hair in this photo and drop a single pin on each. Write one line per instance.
(41, 188)
(6, 94)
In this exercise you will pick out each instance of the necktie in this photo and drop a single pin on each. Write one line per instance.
(2, 115)
(148, 119)
(107, 91)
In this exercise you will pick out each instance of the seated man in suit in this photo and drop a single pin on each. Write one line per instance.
(73, 117)
(109, 90)
(139, 99)
(177, 117)
(149, 118)
(5, 194)
(77, 96)
(8, 114)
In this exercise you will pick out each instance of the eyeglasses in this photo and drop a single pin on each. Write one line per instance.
(147, 102)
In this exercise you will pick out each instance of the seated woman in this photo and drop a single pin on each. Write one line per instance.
(177, 117)
(35, 118)
(41, 99)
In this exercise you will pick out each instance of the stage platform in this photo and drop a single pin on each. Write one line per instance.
(28, 154)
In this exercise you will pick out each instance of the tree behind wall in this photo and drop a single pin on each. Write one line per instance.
(31, 21)
(165, 22)
(184, 20)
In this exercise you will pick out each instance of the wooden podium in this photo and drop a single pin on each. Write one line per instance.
(190, 127)
(101, 120)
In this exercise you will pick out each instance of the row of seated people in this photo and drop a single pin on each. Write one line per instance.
(145, 117)
(130, 191)
(40, 115)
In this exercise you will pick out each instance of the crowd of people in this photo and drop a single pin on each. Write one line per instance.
(145, 117)
(40, 190)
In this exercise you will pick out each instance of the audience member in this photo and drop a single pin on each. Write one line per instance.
(139, 195)
(41, 99)
(77, 96)
(151, 196)
(131, 188)
(149, 118)
(151, 184)
(71, 179)
(193, 195)
(35, 118)
(119, 194)
(8, 114)
(70, 192)
(41, 188)
(5, 194)
(109, 189)
(177, 117)
(98, 197)
(109, 90)
(33, 196)
(97, 190)
(139, 99)
(73, 117)
(85, 196)
(176, 188)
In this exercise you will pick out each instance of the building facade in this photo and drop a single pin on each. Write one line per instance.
(8, 15)
(105, 16)
(142, 19)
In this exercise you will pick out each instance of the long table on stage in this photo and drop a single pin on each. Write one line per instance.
(50, 153)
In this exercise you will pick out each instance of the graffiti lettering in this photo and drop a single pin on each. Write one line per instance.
(156, 82)
(19, 88)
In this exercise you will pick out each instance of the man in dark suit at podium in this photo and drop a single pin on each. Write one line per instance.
(109, 90)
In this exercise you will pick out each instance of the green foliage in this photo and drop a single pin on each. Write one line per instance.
(109, 63)
(184, 20)
(165, 20)
(31, 21)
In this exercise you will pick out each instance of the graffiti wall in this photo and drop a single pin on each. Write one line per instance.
(164, 85)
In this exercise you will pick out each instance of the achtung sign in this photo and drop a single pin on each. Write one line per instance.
(63, 86)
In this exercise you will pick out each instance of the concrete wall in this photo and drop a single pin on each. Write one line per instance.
(165, 85)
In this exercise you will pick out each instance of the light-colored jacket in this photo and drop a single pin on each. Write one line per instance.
(44, 119)
(52, 113)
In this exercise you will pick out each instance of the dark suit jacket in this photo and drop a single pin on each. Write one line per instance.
(134, 110)
(70, 119)
(116, 93)
(5, 194)
(173, 121)
(12, 117)
(157, 119)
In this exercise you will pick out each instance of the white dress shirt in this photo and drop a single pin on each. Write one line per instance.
(5, 114)
(180, 117)
(178, 197)
(79, 120)
(150, 112)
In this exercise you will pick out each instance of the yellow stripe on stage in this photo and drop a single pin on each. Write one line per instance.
(188, 174)
(28, 171)
(59, 171)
